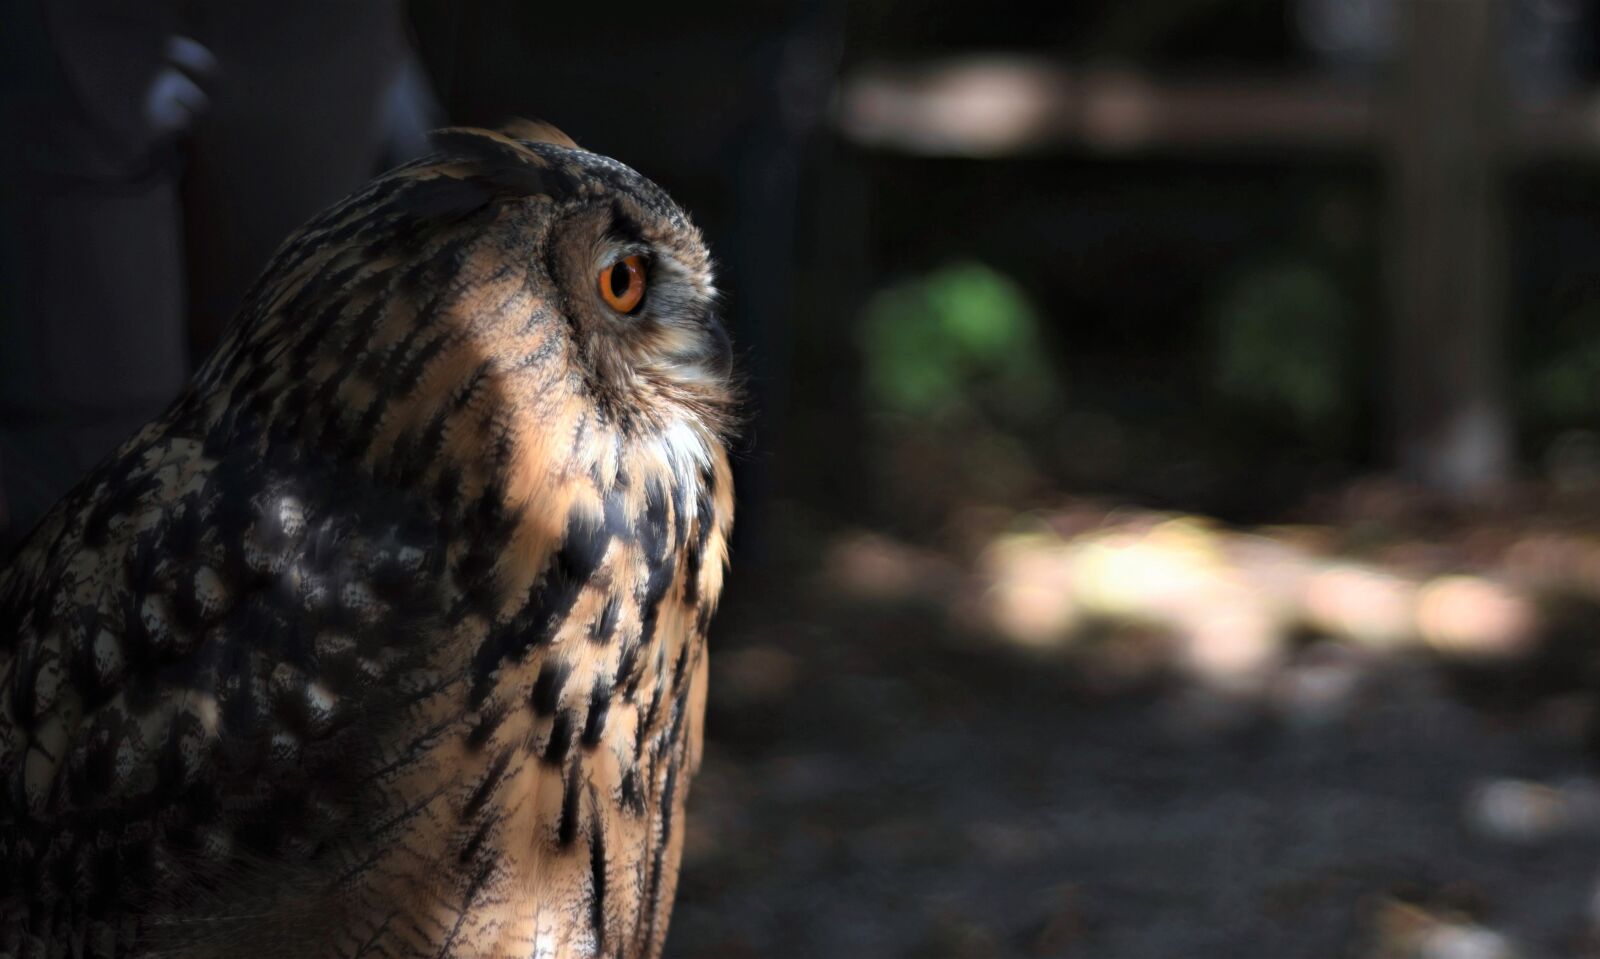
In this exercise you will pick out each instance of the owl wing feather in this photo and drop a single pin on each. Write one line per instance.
(203, 648)
(230, 692)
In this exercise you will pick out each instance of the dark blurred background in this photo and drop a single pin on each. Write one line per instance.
(1170, 512)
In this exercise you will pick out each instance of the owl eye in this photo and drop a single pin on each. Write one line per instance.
(622, 284)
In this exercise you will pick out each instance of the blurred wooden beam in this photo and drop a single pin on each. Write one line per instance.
(1447, 263)
(1001, 105)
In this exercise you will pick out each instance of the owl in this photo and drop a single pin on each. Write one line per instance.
(388, 638)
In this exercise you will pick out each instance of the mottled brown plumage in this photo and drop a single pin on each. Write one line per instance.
(388, 639)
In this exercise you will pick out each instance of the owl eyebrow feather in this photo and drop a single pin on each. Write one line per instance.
(624, 229)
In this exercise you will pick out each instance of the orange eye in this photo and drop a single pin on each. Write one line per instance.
(622, 284)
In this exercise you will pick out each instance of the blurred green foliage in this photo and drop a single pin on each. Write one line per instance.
(1562, 386)
(1281, 343)
(963, 339)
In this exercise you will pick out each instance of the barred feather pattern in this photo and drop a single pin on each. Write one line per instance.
(388, 639)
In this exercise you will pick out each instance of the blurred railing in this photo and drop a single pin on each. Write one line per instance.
(1444, 124)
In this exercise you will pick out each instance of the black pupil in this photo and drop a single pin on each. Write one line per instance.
(621, 280)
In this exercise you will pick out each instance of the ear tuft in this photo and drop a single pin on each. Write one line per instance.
(537, 131)
(483, 143)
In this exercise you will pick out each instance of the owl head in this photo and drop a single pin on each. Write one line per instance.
(510, 305)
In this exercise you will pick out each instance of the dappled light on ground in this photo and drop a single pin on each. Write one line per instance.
(1233, 601)
(1230, 606)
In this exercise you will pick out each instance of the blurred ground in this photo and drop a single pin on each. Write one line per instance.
(1106, 732)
